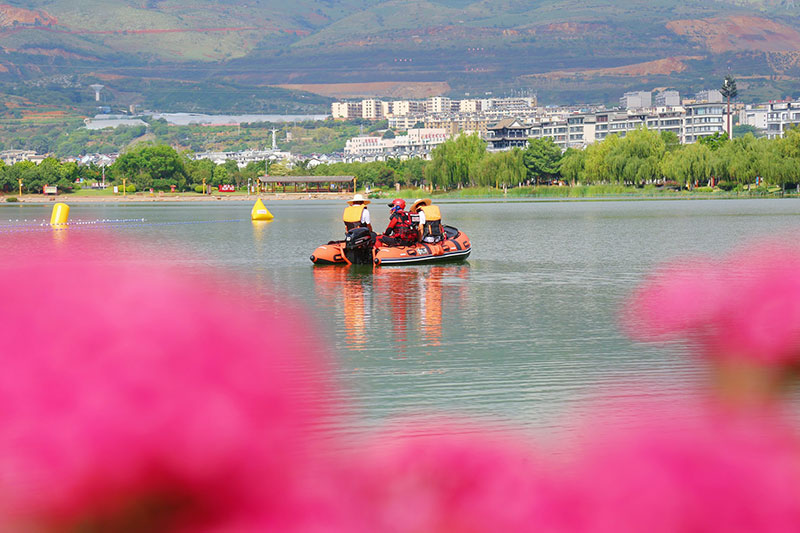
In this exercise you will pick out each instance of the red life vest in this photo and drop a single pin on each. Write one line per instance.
(403, 229)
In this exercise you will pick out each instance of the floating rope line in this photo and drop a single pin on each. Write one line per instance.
(99, 224)
(29, 223)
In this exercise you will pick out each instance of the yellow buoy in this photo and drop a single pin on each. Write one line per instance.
(260, 211)
(60, 214)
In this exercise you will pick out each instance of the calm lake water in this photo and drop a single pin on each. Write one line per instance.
(522, 333)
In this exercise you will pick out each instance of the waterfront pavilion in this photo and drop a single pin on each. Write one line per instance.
(309, 183)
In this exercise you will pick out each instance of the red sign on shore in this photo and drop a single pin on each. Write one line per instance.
(227, 188)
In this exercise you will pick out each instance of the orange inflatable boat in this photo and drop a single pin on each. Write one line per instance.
(358, 248)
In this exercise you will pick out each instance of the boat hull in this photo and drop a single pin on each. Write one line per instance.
(455, 248)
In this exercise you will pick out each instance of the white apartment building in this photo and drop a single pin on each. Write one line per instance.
(404, 122)
(668, 99)
(636, 100)
(371, 109)
(401, 108)
(781, 116)
(419, 141)
(522, 103)
(469, 106)
(709, 96)
(438, 104)
(702, 120)
(345, 110)
(579, 130)
(754, 115)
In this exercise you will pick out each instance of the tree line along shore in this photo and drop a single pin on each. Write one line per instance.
(643, 162)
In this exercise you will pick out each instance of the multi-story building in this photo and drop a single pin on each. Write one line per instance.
(401, 108)
(346, 110)
(581, 129)
(522, 103)
(459, 123)
(554, 127)
(405, 122)
(702, 120)
(754, 115)
(419, 142)
(709, 96)
(782, 116)
(469, 106)
(371, 109)
(508, 133)
(438, 104)
(668, 99)
(10, 157)
(636, 100)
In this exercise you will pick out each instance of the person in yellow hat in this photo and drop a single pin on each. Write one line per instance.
(356, 214)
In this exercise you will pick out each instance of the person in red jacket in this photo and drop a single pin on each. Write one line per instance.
(401, 230)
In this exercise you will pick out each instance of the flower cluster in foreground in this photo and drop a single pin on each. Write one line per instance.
(135, 400)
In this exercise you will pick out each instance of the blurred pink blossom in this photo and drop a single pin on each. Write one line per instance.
(133, 396)
(685, 466)
(745, 306)
(137, 398)
(453, 479)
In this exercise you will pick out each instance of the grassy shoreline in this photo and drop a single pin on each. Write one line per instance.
(599, 192)
(590, 192)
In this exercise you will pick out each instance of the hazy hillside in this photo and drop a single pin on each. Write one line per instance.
(169, 53)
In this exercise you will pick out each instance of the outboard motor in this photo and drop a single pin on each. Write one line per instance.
(358, 245)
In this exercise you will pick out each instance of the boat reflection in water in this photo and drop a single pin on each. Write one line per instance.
(416, 299)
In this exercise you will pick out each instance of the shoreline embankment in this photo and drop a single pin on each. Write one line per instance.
(147, 198)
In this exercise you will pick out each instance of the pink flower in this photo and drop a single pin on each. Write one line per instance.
(131, 395)
(745, 306)
(452, 479)
(689, 467)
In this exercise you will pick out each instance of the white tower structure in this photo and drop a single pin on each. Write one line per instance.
(274, 143)
(97, 88)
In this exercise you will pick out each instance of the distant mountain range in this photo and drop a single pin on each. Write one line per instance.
(229, 55)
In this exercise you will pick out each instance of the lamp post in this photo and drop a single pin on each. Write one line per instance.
(124, 188)
(249, 181)
(20, 186)
(204, 186)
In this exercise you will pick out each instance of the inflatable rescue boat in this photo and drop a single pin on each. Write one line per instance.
(358, 248)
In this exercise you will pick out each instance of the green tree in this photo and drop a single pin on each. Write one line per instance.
(715, 141)
(689, 165)
(502, 168)
(740, 130)
(145, 163)
(541, 159)
(636, 158)
(573, 166)
(456, 162)
(597, 168)
(671, 140)
(412, 171)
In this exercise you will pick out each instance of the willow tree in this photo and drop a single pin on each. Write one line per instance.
(636, 158)
(690, 164)
(573, 166)
(596, 167)
(738, 160)
(502, 169)
(456, 162)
